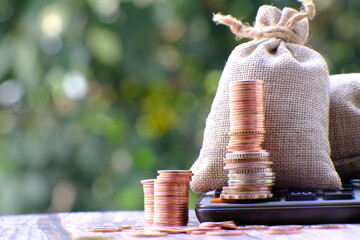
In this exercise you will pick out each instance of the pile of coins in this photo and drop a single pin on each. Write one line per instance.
(166, 202)
(224, 228)
(249, 167)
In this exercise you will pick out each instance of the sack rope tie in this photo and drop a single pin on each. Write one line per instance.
(285, 33)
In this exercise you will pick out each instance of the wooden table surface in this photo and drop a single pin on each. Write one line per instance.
(74, 224)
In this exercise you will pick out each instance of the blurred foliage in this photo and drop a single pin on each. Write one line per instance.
(96, 95)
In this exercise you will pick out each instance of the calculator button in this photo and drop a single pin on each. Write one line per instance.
(301, 196)
(355, 182)
(338, 195)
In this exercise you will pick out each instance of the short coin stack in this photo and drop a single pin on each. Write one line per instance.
(250, 174)
(148, 186)
(170, 198)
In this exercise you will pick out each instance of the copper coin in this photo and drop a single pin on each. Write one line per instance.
(247, 132)
(147, 234)
(290, 231)
(285, 227)
(327, 226)
(225, 232)
(252, 227)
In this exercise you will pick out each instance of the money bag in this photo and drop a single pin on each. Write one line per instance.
(344, 125)
(296, 101)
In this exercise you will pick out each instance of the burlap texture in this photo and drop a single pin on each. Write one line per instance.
(296, 108)
(344, 131)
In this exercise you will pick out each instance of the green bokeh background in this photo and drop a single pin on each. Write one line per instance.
(96, 95)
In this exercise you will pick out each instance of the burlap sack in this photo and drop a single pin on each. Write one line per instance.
(296, 102)
(344, 131)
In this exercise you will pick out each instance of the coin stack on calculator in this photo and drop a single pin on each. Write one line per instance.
(249, 167)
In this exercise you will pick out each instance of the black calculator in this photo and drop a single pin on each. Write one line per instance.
(287, 206)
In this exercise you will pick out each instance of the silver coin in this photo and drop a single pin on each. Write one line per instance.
(247, 155)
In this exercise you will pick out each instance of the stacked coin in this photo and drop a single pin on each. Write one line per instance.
(171, 198)
(148, 187)
(250, 174)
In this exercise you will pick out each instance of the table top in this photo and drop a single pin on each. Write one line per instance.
(76, 225)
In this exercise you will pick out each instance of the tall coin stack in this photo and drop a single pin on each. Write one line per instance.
(148, 186)
(250, 174)
(171, 198)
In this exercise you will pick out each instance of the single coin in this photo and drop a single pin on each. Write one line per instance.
(106, 229)
(245, 196)
(251, 189)
(292, 231)
(234, 133)
(252, 177)
(250, 181)
(93, 237)
(255, 175)
(225, 232)
(239, 141)
(285, 227)
(229, 225)
(247, 155)
(221, 200)
(237, 185)
(172, 230)
(202, 228)
(250, 171)
(147, 234)
(216, 224)
(327, 226)
(197, 232)
(240, 113)
(240, 188)
(242, 160)
(125, 227)
(148, 181)
(252, 227)
(249, 164)
(186, 172)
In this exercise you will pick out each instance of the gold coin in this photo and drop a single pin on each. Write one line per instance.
(245, 160)
(245, 196)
